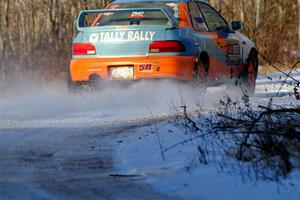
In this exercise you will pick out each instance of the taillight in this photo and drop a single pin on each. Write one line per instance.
(84, 49)
(166, 46)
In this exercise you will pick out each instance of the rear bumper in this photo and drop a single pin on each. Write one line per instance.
(179, 67)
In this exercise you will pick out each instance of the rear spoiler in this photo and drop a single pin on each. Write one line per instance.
(83, 13)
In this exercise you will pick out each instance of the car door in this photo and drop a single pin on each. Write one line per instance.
(225, 45)
(207, 41)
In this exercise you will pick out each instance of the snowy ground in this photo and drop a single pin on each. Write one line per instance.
(57, 146)
(181, 174)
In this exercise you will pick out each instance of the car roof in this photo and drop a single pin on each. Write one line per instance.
(128, 1)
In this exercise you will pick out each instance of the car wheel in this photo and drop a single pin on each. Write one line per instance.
(73, 87)
(200, 76)
(96, 83)
(249, 76)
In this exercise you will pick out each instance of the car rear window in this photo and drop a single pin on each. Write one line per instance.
(137, 18)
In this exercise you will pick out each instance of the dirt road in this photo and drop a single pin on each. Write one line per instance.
(66, 163)
(57, 146)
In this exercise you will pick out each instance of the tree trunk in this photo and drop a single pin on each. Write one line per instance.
(219, 5)
(257, 14)
(299, 25)
(256, 20)
(242, 11)
(3, 33)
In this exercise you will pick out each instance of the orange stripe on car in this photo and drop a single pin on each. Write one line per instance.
(185, 20)
(180, 67)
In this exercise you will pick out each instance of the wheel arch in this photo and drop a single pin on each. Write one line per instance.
(253, 54)
(204, 57)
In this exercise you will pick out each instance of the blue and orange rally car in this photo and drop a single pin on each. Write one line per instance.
(148, 39)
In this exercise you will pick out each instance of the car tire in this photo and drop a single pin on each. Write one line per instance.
(249, 75)
(96, 83)
(73, 87)
(200, 76)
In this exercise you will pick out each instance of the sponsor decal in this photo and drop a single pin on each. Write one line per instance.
(234, 49)
(137, 15)
(233, 54)
(172, 4)
(122, 36)
(145, 68)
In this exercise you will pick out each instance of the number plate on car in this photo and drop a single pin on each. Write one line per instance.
(122, 72)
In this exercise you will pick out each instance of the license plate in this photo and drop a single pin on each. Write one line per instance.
(122, 72)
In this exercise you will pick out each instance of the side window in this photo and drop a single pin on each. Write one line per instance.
(213, 19)
(197, 18)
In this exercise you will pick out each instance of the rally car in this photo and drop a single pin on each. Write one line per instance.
(151, 39)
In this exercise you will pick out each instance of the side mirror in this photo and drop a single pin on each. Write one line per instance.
(237, 25)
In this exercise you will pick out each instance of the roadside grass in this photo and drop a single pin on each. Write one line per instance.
(268, 69)
(261, 138)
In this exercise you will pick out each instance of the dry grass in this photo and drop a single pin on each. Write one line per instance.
(267, 69)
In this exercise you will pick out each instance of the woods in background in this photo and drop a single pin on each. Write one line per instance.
(272, 24)
(36, 35)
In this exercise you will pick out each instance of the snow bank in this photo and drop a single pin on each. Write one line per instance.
(182, 175)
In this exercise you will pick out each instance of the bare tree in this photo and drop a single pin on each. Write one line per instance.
(242, 10)
(219, 5)
(4, 25)
(299, 24)
(36, 35)
(256, 19)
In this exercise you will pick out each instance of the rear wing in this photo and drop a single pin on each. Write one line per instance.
(81, 19)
